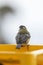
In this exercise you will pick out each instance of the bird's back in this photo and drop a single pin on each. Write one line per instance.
(22, 37)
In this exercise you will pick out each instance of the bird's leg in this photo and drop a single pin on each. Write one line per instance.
(28, 44)
(22, 45)
(28, 47)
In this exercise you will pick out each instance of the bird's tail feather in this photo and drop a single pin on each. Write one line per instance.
(18, 46)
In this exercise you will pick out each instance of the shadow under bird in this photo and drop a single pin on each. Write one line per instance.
(22, 37)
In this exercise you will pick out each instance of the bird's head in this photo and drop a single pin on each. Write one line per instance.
(22, 29)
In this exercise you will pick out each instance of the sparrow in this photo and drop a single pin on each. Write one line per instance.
(22, 37)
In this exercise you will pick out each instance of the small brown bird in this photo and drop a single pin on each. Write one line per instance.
(22, 37)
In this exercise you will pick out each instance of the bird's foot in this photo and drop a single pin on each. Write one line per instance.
(22, 46)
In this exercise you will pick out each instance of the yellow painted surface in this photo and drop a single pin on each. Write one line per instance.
(9, 55)
(8, 47)
(17, 59)
(40, 59)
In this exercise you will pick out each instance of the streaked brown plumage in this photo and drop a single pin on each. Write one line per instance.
(23, 36)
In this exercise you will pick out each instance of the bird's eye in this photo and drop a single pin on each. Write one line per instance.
(23, 27)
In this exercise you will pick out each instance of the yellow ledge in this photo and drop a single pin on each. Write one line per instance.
(8, 47)
(9, 55)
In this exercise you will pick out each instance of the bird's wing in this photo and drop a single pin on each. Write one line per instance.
(25, 37)
(28, 35)
(18, 38)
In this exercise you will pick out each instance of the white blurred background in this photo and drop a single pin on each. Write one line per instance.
(28, 13)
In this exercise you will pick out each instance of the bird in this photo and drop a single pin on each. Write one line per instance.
(23, 36)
